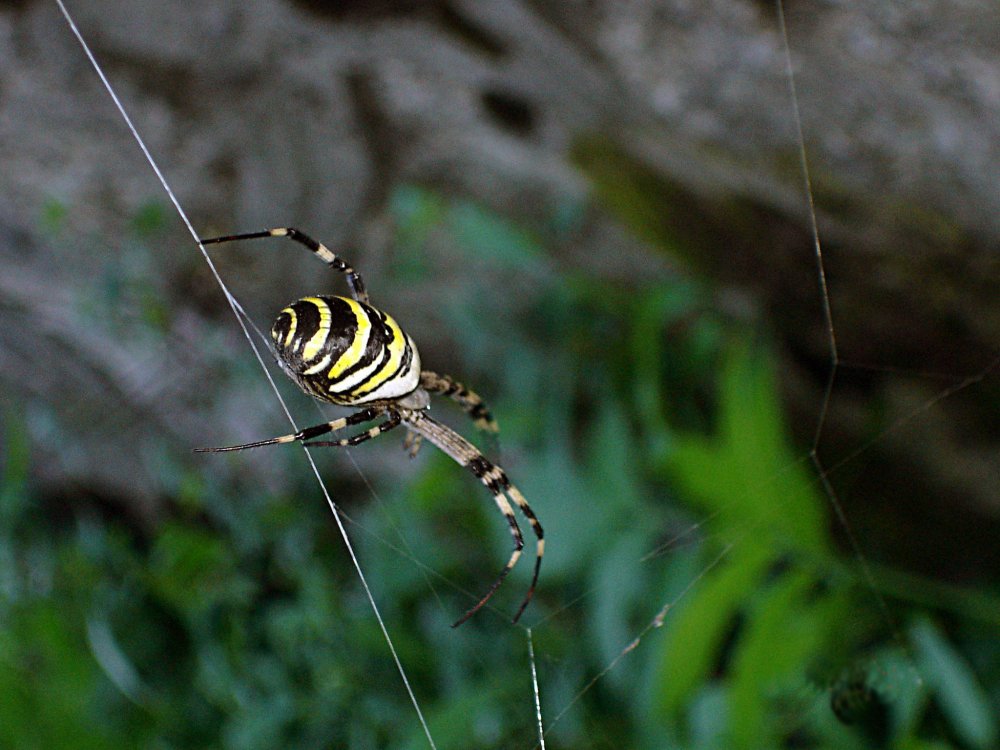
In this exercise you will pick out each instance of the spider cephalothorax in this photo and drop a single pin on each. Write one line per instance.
(344, 351)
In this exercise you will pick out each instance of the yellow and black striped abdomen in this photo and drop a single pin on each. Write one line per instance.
(345, 351)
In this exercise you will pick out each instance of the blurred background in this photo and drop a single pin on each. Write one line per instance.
(761, 532)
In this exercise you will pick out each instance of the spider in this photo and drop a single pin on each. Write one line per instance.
(346, 352)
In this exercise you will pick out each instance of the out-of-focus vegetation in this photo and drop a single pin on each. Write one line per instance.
(645, 428)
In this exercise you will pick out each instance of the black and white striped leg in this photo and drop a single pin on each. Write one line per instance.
(536, 527)
(471, 403)
(393, 421)
(365, 415)
(515, 532)
(496, 481)
(322, 251)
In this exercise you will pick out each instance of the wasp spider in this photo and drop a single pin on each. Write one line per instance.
(344, 351)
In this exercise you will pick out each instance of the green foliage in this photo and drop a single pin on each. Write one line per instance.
(766, 515)
(950, 678)
(149, 219)
(49, 682)
(53, 216)
(691, 595)
(746, 470)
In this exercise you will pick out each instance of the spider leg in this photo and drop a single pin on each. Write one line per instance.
(496, 481)
(536, 527)
(470, 401)
(411, 444)
(365, 415)
(322, 251)
(394, 420)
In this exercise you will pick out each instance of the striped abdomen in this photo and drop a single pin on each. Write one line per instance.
(345, 351)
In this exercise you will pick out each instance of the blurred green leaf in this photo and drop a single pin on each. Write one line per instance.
(488, 236)
(149, 219)
(416, 210)
(53, 216)
(15, 455)
(747, 472)
(784, 626)
(191, 569)
(609, 449)
(709, 715)
(700, 623)
(616, 587)
(652, 313)
(49, 681)
(416, 213)
(465, 721)
(955, 686)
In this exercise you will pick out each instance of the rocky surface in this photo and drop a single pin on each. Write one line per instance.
(269, 113)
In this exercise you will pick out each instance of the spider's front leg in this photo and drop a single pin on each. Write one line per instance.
(365, 415)
(321, 251)
(394, 420)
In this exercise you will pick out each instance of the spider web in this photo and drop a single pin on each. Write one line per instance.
(546, 713)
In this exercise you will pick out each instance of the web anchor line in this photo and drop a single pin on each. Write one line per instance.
(534, 690)
(237, 309)
(821, 471)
